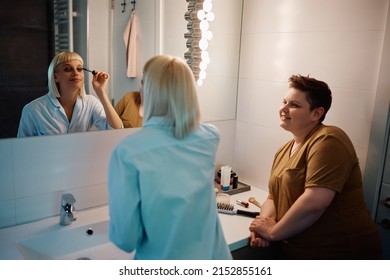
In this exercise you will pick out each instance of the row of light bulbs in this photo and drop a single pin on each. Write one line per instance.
(199, 15)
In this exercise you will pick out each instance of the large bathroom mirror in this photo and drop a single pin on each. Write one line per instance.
(161, 27)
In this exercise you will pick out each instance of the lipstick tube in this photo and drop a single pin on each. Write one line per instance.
(242, 203)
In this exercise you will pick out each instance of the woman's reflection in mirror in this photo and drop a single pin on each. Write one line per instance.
(130, 109)
(66, 108)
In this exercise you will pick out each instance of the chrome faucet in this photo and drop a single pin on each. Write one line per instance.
(68, 212)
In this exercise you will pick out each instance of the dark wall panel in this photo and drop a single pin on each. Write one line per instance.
(26, 49)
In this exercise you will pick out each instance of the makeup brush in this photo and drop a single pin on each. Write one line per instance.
(254, 201)
(92, 71)
(105, 76)
(227, 208)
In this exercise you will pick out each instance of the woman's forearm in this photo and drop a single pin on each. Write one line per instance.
(305, 211)
(268, 209)
(112, 117)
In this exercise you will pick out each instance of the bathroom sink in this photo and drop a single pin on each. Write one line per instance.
(89, 242)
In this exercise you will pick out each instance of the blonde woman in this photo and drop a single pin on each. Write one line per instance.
(161, 198)
(66, 108)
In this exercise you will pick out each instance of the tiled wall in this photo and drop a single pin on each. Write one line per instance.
(338, 41)
(40, 169)
(36, 171)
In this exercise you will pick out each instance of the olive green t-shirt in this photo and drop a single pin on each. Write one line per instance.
(327, 159)
(128, 110)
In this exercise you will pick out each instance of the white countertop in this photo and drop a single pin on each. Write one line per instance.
(235, 227)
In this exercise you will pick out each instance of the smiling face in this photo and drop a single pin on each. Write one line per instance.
(69, 76)
(295, 114)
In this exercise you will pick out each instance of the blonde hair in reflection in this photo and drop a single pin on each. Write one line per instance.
(169, 89)
(60, 58)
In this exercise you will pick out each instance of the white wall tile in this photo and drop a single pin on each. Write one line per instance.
(340, 58)
(352, 110)
(6, 170)
(217, 98)
(60, 162)
(362, 156)
(33, 208)
(89, 196)
(227, 17)
(45, 205)
(221, 49)
(75, 163)
(225, 152)
(70, 160)
(313, 15)
(259, 101)
(7, 213)
(254, 152)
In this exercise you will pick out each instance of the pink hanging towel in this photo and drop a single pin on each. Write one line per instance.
(130, 37)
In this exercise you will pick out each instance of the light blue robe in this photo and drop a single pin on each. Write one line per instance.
(161, 195)
(46, 116)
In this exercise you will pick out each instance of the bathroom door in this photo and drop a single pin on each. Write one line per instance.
(383, 210)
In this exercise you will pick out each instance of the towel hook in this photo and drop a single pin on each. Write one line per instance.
(124, 6)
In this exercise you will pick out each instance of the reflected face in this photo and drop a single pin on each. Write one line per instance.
(295, 114)
(69, 75)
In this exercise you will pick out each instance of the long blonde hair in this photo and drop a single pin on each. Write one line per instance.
(59, 58)
(170, 90)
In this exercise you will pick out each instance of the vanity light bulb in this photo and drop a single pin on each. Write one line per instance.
(210, 16)
(205, 56)
(203, 44)
(207, 6)
(208, 35)
(198, 36)
(203, 65)
(201, 15)
(204, 25)
(202, 74)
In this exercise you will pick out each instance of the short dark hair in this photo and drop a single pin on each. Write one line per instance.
(318, 93)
